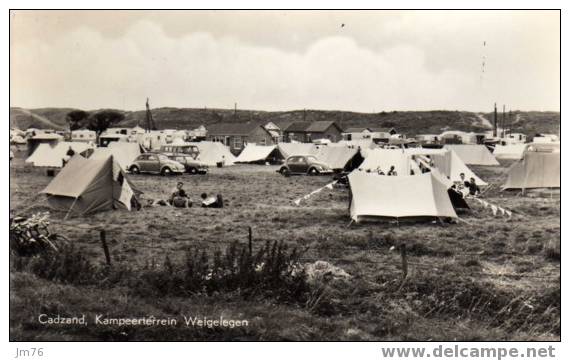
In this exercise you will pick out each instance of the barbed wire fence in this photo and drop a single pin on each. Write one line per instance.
(397, 256)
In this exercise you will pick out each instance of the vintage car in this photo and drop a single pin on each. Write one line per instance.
(304, 164)
(192, 165)
(156, 163)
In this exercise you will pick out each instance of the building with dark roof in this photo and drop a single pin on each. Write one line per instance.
(237, 135)
(306, 132)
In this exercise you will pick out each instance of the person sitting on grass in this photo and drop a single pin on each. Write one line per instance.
(473, 187)
(179, 198)
(212, 201)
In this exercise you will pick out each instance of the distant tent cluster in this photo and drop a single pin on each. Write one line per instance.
(413, 160)
(46, 155)
(336, 156)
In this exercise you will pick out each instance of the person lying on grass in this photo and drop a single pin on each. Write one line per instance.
(212, 201)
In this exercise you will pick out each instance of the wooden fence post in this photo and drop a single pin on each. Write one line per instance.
(250, 239)
(105, 247)
(404, 260)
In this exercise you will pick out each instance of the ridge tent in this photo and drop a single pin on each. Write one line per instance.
(386, 158)
(406, 160)
(452, 166)
(289, 149)
(259, 153)
(46, 155)
(535, 170)
(42, 138)
(90, 185)
(339, 157)
(124, 153)
(473, 154)
(422, 195)
(509, 151)
(212, 153)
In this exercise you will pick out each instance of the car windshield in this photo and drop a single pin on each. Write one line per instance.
(162, 158)
(311, 158)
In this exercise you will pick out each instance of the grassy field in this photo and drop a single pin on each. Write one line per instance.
(488, 278)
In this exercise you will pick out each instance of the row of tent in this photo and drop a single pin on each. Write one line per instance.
(52, 156)
(99, 182)
(426, 194)
(336, 156)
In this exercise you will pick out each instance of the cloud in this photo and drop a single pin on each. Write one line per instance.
(85, 69)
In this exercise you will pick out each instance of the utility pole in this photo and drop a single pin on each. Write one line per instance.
(504, 123)
(304, 114)
(235, 111)
(510, 121)
(149, 120)
(495, 121)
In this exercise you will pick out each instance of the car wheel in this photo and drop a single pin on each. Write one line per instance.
(193, 170)
(166, 171)
(135, 169)
(285, 172)
(313, 171)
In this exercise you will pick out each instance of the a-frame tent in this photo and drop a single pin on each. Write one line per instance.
(509, 151)
(535, 170)
(473, 154)
(123, 152)
(406, 161)
(86, 186)
(46, 155)
(212, 153)
(254, 153)
(289, 149)
(416, 196)
(339, 157)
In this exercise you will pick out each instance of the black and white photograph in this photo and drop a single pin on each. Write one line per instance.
(285, 175)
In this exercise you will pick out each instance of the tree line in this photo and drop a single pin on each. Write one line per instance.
(97, 121)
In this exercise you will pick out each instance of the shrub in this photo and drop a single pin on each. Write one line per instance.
(270, 272)
(69, 265)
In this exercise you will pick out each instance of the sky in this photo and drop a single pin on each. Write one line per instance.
(365, 61)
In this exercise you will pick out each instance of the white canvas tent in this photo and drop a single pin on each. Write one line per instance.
(214, 152)
(406, 160)
(422, 195)
(48, 156)
(535, 170)
(124, 153)
(90, 185)
(384, 159)
(450, 165)
(509, 151)
(257, 153)
(473, 154)
(336, 156)
(289, 149)
(152, 140)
